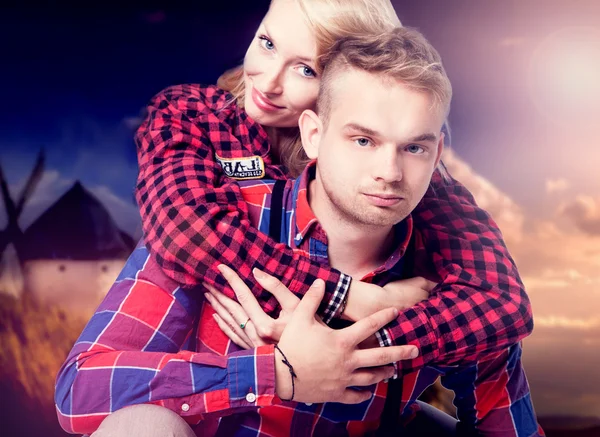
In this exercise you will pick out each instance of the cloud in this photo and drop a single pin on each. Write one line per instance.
(584, 212)
(570, 323)
(508, 215)
(556, 185)
(560, 266)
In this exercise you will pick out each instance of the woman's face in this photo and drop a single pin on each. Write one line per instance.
(279, 67)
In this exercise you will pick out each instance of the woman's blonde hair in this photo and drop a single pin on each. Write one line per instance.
(331, 20)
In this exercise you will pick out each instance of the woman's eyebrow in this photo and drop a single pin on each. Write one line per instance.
(302, 58)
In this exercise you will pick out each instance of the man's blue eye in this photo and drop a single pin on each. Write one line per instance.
(415, 148)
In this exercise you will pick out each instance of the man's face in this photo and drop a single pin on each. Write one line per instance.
(378, 151)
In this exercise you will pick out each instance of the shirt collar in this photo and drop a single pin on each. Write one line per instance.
(304, 218)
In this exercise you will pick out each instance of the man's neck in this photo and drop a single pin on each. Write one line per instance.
(355, 249)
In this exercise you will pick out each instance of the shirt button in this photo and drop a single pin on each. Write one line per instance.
(308, 404)
(298, 236)
(250, 397)
(185, 407)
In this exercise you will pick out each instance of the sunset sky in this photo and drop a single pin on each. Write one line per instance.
(524, 120)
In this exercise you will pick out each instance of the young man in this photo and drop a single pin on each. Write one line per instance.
(376, 142)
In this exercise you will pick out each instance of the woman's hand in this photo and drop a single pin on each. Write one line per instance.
(365, 299)
(258, 327)
(408, 292)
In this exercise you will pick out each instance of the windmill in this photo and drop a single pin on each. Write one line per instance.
(10, 237)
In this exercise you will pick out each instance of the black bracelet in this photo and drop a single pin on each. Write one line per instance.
(292, 373)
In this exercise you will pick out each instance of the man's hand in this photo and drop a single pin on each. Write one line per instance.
(327, 362)
(365, 299)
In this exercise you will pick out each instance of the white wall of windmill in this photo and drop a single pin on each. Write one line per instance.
(11, 276)
(72, 284)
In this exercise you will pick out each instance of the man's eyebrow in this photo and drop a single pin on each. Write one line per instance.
(424, 138)
(357, 127)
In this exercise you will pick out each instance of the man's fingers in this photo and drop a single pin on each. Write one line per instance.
(366, 377)
(309, 304)
(230, 333)
(352, 396)
(284, 296)
(382, 356)
(244, 296)
(368, 326)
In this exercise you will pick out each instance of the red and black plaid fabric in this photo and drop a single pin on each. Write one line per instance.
(195, 218)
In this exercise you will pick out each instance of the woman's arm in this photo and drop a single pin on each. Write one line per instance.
(479, 305)
(130, 353)
(194, 218)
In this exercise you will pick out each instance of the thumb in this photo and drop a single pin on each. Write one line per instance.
(308, 306)
(429, 285)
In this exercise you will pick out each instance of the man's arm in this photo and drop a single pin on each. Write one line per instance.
(194, 218)
(492, 398)
(130, 353)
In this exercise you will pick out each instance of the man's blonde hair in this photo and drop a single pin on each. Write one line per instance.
(402, 55)
(330, 20)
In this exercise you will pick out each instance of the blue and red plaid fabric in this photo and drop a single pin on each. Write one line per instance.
(151, 341)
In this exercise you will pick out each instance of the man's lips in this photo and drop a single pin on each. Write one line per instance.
(384, 199)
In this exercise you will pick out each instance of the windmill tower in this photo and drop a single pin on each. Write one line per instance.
(11, 278)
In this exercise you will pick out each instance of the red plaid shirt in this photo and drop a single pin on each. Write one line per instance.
(194, 217)
(150, 341)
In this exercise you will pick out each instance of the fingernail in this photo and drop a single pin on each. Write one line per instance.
(414, 353)
(395, 312)
(317, 282)
(258, 274)
(216, 318)
(208, 297)
(223, 269)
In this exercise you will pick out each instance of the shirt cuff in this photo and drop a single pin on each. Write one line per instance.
(251, 378)
(384, 338)
(334, 306)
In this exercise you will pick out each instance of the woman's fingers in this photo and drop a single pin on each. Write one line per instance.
(232, 315)
(230, 333)
(245, 297)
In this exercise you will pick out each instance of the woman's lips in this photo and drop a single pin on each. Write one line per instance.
(262, 102)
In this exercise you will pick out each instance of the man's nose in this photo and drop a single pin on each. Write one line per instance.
(389, 166)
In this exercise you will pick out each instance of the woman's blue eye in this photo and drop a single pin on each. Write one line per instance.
(266, 43)
(308, 72)
(363, 142)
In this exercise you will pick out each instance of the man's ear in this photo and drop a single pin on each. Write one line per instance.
(311, 130)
